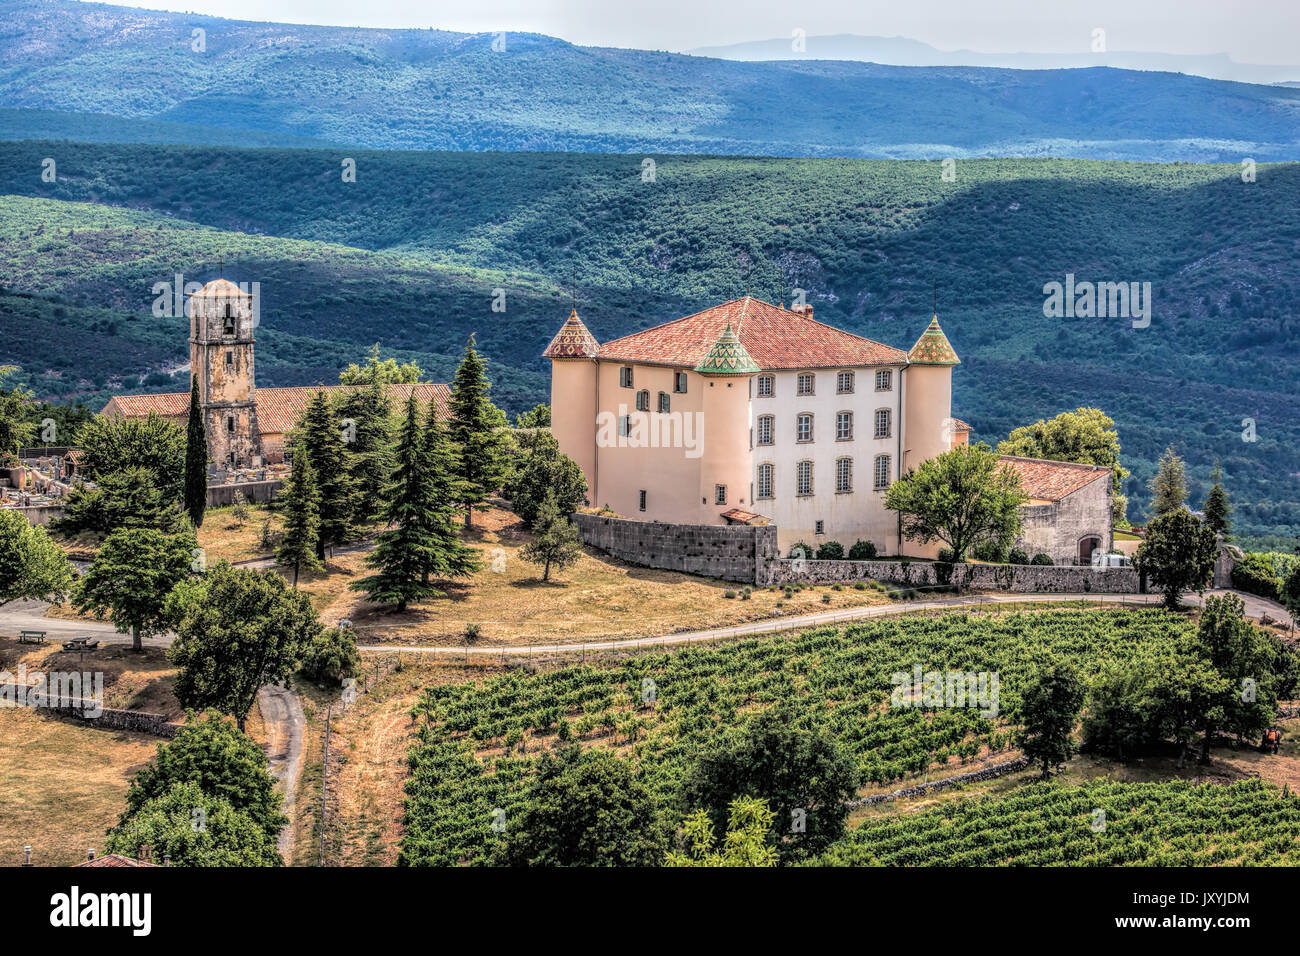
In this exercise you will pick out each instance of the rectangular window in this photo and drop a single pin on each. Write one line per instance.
(719, 494)
(230, 359)
(641, 505)
(882, 472)
(844, 475)
(643, 401)
(803, 478)
(819, 527)
(765, 386)
(844, 426)
(806, 381)
(883, 417)
(665, 402)
(803, 430)
(624, 425)
(884, 380)
(844, 383)
(679, 383)
(765, 428)
(625, 377)
(230, 424)
(765, 481)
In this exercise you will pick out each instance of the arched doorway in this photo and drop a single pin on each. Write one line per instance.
(1087, 545)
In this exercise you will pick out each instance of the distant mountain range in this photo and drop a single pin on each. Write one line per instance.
(115, 74)
(901, 51)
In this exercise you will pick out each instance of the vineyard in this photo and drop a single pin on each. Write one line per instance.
(1141, 824)
(478, 742)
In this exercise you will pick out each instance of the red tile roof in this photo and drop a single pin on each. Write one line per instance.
(775, 338)
(1053, 480)
(744, 517)
(959, 426)
(277, 408)
(114, 859)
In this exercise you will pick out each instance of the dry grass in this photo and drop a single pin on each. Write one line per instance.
(64, 785)
(132, 681)
(222, 538)
(597, 599)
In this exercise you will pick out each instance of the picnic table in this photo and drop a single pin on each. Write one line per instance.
(81, 644)
(31, 637)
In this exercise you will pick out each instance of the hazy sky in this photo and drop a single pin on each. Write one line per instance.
(1251, 31)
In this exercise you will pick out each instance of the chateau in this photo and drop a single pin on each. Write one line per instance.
(752, 413)
(246, 426)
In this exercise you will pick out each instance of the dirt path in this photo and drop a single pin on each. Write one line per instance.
(282, 712)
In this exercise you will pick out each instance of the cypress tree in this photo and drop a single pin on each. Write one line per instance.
(1217, 508)
(482, 455)
(405, 552)
(196, 459)
(319, 436)
(301, 519)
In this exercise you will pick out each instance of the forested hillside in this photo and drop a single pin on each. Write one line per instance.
(120, 73)
(411, 252)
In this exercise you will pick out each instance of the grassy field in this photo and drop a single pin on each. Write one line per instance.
(597, 599)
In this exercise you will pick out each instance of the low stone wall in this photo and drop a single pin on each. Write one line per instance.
(733, 553)
(255, 492)
(988, 773)
(1022, 578)
(40, 514)
(134, 720)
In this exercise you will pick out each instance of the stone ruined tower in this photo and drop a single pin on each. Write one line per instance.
(221, 355)
(928, 422)
(573, 395)
(727, 459)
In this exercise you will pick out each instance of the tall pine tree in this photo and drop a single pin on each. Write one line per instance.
(369, 412)
(483, 459)
(1217, 508)
(196, 458)
(319, 436)
(446, 490)
(301, 520)
(405, 552)
(1169, 486)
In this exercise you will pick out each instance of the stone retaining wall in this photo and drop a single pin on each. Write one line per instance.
(988, 773)
(730, 552)
(1022, 578)
(133, 720)
(255, 492)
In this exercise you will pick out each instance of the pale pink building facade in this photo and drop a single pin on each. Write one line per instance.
(749, 412)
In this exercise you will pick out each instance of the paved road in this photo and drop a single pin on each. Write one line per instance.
(282, 711)
(1255, 606)
(26, 615)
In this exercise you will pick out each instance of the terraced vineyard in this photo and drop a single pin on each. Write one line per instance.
(479, 741)
(1145, 824)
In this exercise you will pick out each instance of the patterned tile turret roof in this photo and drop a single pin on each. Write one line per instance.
(727, 357)
(933, 348)
(573, 340)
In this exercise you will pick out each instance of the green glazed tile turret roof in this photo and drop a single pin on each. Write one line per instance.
(933, 348)
(727, 357)
(573, 340)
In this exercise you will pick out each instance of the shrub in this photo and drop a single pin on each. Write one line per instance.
(473, 632)
(837, 587)
(1255, 574)
(744, 595)
(831, 551)
(332, 657)
(826, 599)
(802, 549)
(946, 555)
(1041, 558)
(989, 551)
(729, 593)
(862, 551)
(859, 585)
(1017, 556)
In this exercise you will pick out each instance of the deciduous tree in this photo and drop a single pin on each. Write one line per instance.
(132, 577)
(1177, 554)
(1049, 709)
(31, 565)
(555, 539)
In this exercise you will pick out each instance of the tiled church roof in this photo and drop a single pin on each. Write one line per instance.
(933, 348)
(572, 341)
(278, 409)
(775, 339)
(727, 357)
